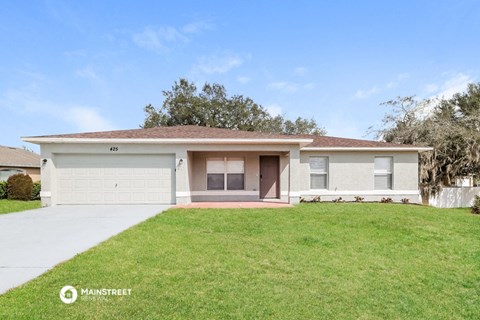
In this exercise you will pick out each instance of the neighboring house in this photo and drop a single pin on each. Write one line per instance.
(189, 163)
(16, 160)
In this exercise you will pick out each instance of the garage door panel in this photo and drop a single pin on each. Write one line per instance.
(80, 196)
(80, 172)
(138, 196)
(138, 171)
(124, 172)
(65, 185)
(123, 184)
(124, 197)
(123, 179)
(138, 184)
(109, 172)
(155, 197)
(109, 184)
(95, 196)
(66, 196)
(109, 196)
(65, 172)
(153, 183)
(95, 172)
(96, 183)
(81, 184)
(152, 171)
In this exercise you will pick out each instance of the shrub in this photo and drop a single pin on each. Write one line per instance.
(3, 190)
(475, 209)
(37, 187)
(405, 201)
(314, 199)
(358, 199)
(19, 187)
(337, 200)
(386, 200)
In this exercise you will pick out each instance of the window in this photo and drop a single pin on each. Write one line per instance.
(235, 174)
(318, 172)
(383, 173)
(5, 173)
(230, 170)
(216, 174)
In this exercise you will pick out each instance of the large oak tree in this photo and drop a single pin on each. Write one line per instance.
(212, 107)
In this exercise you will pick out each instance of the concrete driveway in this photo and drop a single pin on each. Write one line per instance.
(34, 241)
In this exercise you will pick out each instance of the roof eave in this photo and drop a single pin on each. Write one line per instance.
(46, 140)
(418, 149)
(18, 165)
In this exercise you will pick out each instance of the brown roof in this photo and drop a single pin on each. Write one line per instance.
(177, 132)
(15, 157)
(198, 132)
(335, 142)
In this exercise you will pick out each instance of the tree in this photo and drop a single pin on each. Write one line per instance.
(403, 124)
(450, 126)
(212, 107)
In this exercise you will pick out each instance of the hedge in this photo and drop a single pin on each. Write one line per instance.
(36, 188)
(3, 190)
(19, 187)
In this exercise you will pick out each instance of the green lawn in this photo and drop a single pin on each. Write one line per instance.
(7, 206)
(324, 261)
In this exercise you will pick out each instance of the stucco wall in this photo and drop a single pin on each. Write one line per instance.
(34, 173)
(351, 174)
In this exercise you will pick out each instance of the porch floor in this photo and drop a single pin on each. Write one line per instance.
(256, 204)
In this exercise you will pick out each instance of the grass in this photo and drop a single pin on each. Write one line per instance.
(323, 261)
(8, 206)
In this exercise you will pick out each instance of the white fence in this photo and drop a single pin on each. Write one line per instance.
(460, 197)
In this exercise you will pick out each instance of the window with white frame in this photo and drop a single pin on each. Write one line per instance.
(383, 173)
(318, 173)
(225, 174)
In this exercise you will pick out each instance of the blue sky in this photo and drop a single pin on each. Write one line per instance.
(74, 66)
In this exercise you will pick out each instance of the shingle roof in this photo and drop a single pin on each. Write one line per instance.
(335, 142)
(198, 132)
(177, 132)
(15, 157)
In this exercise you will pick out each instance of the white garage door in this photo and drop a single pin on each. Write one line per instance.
(115, 179)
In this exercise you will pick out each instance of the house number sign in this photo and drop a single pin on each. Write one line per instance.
(113, 149)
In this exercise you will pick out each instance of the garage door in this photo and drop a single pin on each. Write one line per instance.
(115, 179)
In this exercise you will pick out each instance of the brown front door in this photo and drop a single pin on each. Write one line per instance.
(269, 176)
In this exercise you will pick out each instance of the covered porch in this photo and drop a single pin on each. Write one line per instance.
(239, 176)
(247, 174)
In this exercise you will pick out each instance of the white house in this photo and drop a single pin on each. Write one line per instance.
(185, 164)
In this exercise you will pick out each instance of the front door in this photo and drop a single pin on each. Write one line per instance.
(269, 177)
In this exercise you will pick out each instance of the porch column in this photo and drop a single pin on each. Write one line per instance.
(294, 192)
(47, 177)
(182, 183)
